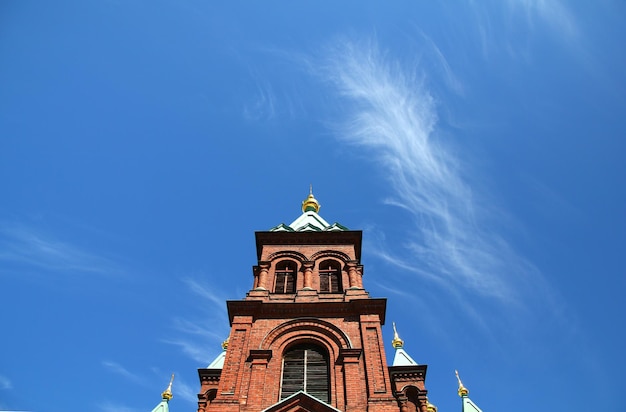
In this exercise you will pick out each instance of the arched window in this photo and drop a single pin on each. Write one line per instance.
(211, 394)
(285, 277)
(305, 368)
(330, 277)
(412, 399)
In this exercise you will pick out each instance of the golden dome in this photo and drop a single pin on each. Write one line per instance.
(225, 344)
(430, 407)
(310, 203)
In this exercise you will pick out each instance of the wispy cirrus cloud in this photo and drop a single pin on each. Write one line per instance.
(185, 391)
(27, 246)
(199, 337)
(510, 25)
(262, 105)
(206, 292)
(393, 119)
(553, 13)
(122, 371)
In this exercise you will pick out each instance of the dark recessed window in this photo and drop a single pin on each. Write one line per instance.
(330, 277)
(412, 395)
(285, 277)
(305, 368)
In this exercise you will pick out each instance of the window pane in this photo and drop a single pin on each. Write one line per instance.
(290, 283)
(293, 373)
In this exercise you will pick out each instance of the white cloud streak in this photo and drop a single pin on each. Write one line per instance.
(394, 119)
(200, 338)
(122, 371)
(207, 293)
(553, 13)
(26, 246)
(262, 105)
(185, 391)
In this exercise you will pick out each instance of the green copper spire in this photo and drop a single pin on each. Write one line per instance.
(463, 391)
(466, 403)
(165, 398)
(401, 358)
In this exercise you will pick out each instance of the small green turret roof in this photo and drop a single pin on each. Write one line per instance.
(218, 363)
(401, 358)
(163, 406)
(466, 403)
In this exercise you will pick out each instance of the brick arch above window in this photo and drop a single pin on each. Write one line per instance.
(291, 254)
(298, 329)
(322, 254)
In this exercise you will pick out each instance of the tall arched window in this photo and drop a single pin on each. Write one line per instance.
(305, 368)
(285, 277)
(330, 277)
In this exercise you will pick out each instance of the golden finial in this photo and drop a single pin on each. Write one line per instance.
(430, 407)
(396, 342)
(225, 344)
(310, 203)
(463, 391)
(167, 394)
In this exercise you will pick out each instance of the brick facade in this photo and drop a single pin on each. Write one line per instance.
(346, 325)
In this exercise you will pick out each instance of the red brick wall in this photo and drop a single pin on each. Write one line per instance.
(359, 377)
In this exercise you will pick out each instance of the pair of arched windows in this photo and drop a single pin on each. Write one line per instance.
(305, 368)
(329, 277)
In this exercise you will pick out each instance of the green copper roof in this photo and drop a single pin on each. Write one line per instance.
(218, 363)
(309, 221)
(469, 406)
(403, 359)
(162, 407)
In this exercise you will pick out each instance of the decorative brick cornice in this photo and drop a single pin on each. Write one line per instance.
(281, 310)
(408, 376)
(350, 237)
(209, 375)
(405, 373)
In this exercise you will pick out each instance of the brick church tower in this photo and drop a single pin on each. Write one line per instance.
(307, 336)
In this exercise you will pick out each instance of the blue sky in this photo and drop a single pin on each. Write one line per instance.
(478, 145)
